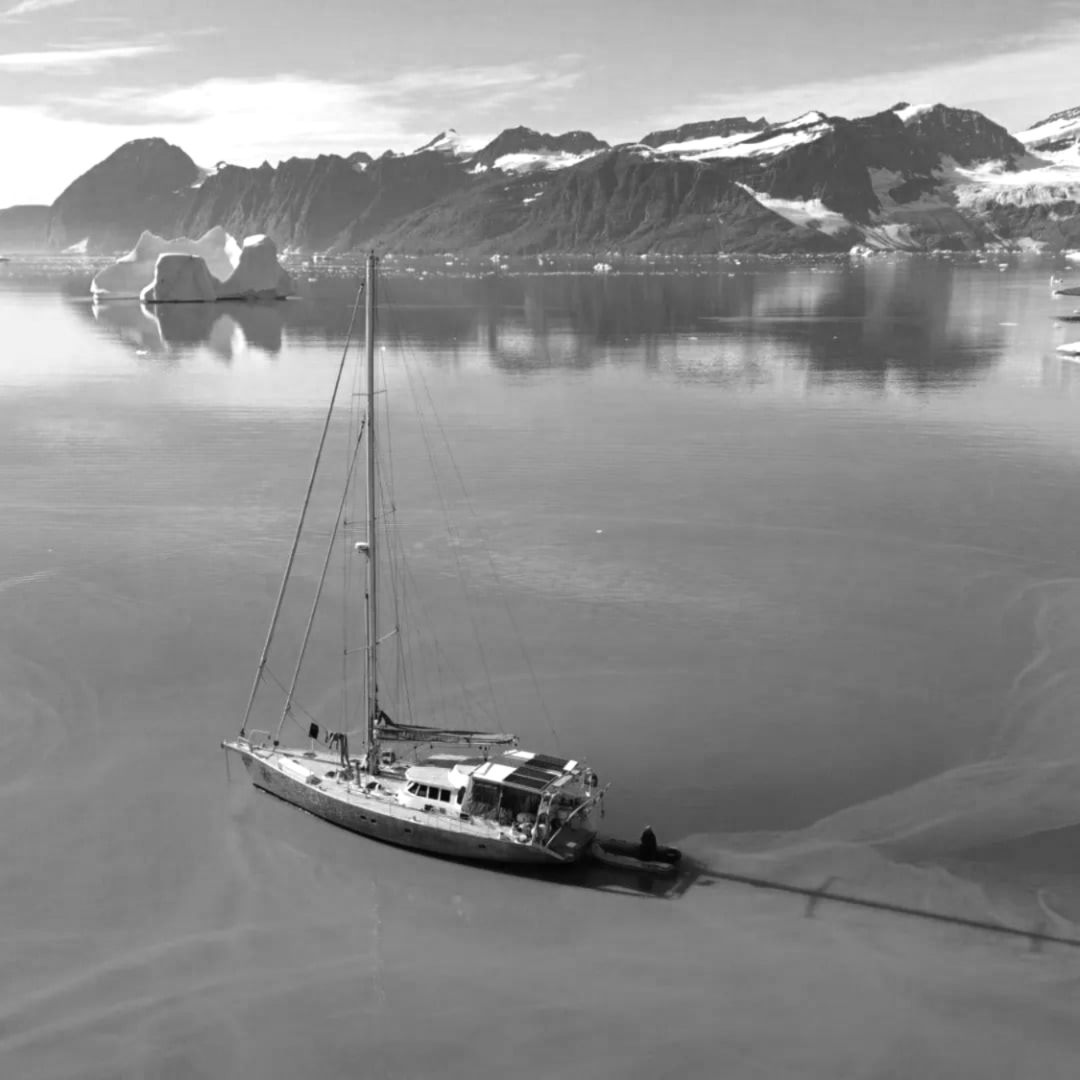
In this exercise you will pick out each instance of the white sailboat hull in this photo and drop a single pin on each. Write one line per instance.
(381, 818)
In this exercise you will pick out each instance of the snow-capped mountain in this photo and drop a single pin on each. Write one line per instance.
(914, 177)
(1060, 132)
(704, 129)
(521, 150)
(765, 142)
(452, 144)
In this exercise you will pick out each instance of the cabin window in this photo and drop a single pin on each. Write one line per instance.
(444, 795)
(422, 791)
(460, 795)
(412, 788)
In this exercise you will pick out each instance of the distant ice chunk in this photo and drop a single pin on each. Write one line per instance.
(164, 271)
(180, 279)
(258, 274)
(133, 272)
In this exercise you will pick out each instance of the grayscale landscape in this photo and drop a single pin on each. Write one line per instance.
(727, 388)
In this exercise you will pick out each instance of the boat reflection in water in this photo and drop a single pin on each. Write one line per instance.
(228, 328)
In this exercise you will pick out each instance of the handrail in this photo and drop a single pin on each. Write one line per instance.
(590, 800)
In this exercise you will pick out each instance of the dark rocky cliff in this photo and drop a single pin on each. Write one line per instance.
(304, 203)
(964, 135)
(145, 184)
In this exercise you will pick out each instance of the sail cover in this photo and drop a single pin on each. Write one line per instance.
(388, 729)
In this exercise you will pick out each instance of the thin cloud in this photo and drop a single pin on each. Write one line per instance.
(299, 114)
(469, 80)
(30, 7)
(1014, 86)
(78, 60)
(249, 120)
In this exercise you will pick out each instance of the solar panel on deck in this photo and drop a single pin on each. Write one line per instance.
(548, 762)
(529, 778)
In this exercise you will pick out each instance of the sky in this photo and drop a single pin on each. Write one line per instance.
(245, 81)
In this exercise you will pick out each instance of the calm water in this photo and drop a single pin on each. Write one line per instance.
(790, 553)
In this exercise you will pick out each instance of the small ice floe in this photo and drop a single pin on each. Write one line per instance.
(1007, 324)
(1071, 348)
(602, 268)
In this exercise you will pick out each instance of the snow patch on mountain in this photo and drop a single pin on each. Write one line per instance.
(1055, 132)
(1053, 180)
(809, 213)
(537, 161)
(452, 144)
(775, 140)
(205, 173)
(906, 113)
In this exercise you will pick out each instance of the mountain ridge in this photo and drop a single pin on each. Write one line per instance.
(922, 177)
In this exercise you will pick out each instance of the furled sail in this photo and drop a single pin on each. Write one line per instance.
(389, 730)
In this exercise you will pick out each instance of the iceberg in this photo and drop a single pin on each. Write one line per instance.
(258, 274)
(131, 273)
(180, 279)
(163, 271)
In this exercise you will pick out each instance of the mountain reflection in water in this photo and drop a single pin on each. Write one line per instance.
(907, 322)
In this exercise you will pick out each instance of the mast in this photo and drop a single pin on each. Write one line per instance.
(372, 575)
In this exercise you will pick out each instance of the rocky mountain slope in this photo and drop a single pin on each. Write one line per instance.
(912, 177)
(24, 228)
(147, 183)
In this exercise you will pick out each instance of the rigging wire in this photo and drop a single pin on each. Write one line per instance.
(322, 581)
(355, 423)
(450, 528)
(303, 515)
(487, 551)
(398, 567)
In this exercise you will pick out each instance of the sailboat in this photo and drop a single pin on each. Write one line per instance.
(460, 793)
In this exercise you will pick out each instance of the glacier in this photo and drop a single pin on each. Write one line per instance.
(160, 271)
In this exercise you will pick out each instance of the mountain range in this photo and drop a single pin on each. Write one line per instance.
(925, 177)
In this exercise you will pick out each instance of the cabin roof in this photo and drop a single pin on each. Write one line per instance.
(439, 776)
(522, 769)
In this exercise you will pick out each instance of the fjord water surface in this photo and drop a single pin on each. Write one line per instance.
(789, 552)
